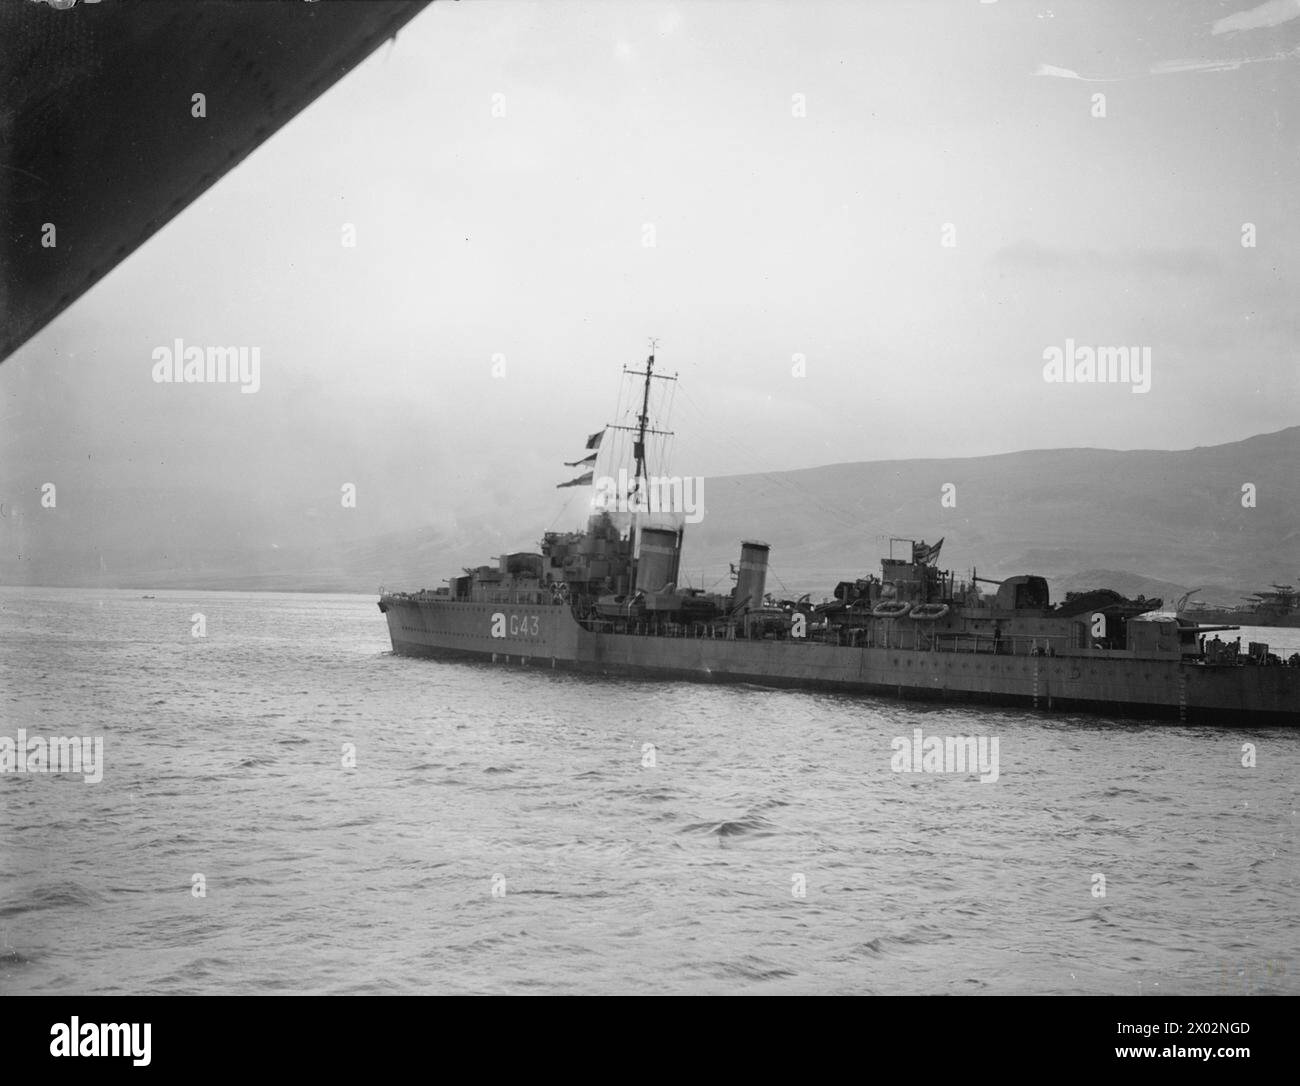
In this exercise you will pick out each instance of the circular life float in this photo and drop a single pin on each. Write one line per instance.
(891, 609)
(929, 611)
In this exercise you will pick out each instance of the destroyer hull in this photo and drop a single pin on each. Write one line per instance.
(1111, 684)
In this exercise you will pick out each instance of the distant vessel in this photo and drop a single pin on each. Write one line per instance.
(608, 600)
(1280, 607)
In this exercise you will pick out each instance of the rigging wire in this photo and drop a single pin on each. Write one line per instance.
(774, 573)
(564, 505)
(771, 477)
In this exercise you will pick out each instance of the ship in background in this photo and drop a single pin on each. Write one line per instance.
(609, 599)
(1280, 607)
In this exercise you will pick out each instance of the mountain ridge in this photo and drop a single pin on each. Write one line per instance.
(1173, 517)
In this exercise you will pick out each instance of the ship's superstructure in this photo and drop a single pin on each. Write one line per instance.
(609, 599)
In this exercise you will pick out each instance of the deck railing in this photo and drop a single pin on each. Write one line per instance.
(915, 639)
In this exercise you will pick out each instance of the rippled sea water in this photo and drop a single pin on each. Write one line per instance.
(224, 758)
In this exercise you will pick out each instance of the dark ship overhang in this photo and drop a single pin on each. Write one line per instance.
(97, 131)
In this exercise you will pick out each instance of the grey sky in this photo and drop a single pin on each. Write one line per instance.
(775, 235)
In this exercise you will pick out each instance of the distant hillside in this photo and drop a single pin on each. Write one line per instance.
(1134, 584)
(1174, 517)
(1153, 523)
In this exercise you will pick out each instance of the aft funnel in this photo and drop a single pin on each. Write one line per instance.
(751, 577)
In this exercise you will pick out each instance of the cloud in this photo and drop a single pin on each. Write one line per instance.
(1174, 67)
(1059, 73)
(1170, 67)
(1271, 13)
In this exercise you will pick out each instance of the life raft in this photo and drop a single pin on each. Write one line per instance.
(929, 611)
(891, 609)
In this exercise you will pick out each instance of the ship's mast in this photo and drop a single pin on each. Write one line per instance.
(644, 418)
(640, 480)
(642, 427)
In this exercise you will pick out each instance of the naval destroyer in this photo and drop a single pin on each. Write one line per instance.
(608, 599)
